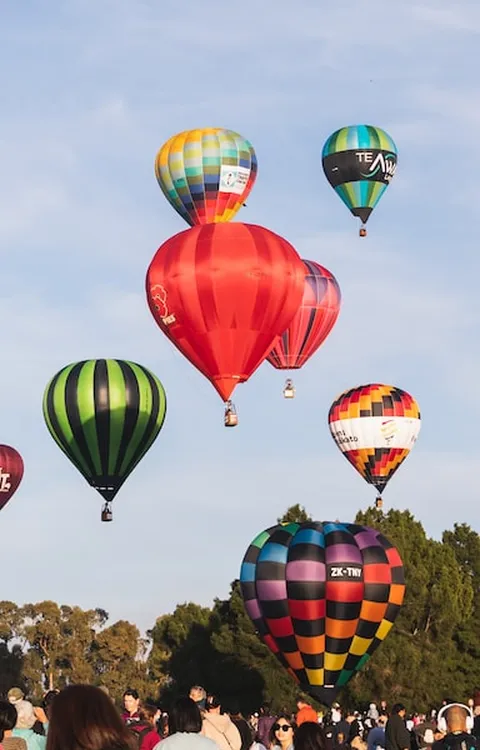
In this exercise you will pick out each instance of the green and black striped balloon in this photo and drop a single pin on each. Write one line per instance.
(105, 414)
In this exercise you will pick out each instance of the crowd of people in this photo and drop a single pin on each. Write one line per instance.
(83, 717)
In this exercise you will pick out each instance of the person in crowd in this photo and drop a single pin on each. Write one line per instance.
(131, 703)
(26, 720)
(219, 727)
(309, 736)
(376, 736)
(397, 736)
(145, 729)
(282, 733)
(340, 742)
(8, 719)
(82, 716)
(457, 736)
(15, 694)
(264, 727)
(246, 733)
(341, 727)
(185, 723)
(336, 713)
(305, 712)
(424, 732)
(199, 695)
(355, 727)
(373, 713)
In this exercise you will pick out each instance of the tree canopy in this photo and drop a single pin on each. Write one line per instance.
(432, 652)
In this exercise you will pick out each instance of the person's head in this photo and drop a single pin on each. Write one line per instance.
(456, 718)
(150, 713)
(358, 744)
(213, 705)
(340, 738)
(185, 716)
(301, 702)
(399, 708)
(48, 699)
(15, 695)
(309, 736)
(198, 694)
(25, 715)
(282, 731)
(131, 701)
(83, 716)
(8, 717)
(382, 720)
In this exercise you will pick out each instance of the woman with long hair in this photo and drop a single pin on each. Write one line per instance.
(281, 733)
(185, 724)
(82, 716)
(310, 736)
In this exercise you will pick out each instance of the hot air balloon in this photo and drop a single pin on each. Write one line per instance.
(206, 174)
(223, 293)
(375, 426)
(104, 414)
(11, 473)
(359, 162)
(322, 596)
(311, 324)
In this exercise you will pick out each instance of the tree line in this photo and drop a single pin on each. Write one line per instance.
(432, 652)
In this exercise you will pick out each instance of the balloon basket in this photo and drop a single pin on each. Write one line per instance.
(289, 390)
(379, 503)
(107, 514)
(231, 416)
(362, 232)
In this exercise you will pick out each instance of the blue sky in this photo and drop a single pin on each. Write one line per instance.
(90, 91)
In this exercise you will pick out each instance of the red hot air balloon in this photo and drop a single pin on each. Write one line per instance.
(315, 318)
(11, 473)
(223, 293)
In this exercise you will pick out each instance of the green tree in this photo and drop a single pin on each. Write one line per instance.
(295, 514)
(118, 659)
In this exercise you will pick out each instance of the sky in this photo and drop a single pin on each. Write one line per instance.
(90, 91)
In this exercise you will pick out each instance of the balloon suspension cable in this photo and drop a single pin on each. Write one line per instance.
(107, 514)
(289, 390)
(231, 417)
(363, 231)
(379, 503)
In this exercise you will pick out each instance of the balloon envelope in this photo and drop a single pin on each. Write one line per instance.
(359, 162)
(313, 320)
(223, 293)
(206, 174)
(104, 414)
(322, 596)
(375, 426)
(11, 473)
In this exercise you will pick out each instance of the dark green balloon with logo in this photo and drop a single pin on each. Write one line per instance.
(105, 414)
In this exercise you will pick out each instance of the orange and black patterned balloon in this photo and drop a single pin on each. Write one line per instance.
(322, 596)
(375, 426)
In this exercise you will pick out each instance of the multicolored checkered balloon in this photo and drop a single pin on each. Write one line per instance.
(206, 174)
(375, 426)
(322, 596)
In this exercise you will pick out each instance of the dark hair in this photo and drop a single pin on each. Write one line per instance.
(212, 702)
(83, 716)
(397, 707)
(148, 712)
(48, 699)
(309, 736)
(8, 717)
(133, 693)
(277, 719)
(185, 716)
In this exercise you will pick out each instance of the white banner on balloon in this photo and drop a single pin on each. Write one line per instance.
(233, 179)
(375, 432)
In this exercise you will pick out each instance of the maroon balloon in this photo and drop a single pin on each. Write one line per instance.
(11, 473)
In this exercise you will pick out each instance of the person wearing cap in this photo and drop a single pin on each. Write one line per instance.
(198, 694)
(26, 718)
(15, 695)
(219, 727)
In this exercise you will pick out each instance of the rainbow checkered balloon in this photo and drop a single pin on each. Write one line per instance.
(322, 596)
(206, 174)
